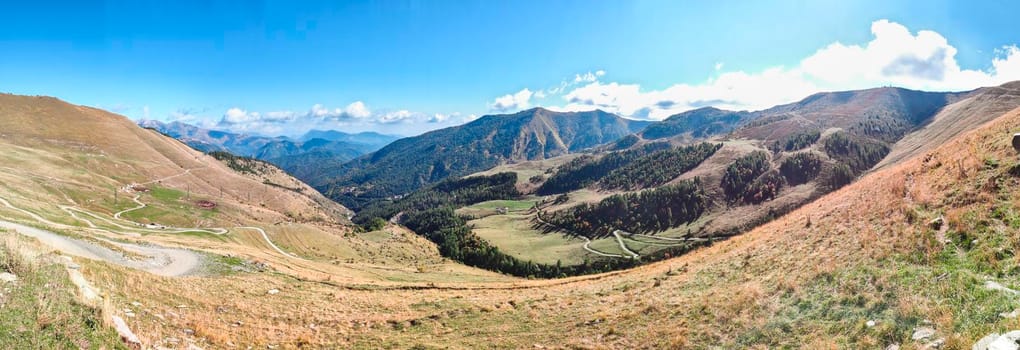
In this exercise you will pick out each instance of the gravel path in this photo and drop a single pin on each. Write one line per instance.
(158, 260)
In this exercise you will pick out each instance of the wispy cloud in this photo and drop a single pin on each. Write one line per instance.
(522, 99)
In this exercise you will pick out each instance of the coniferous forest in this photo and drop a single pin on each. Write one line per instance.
(643, 212)
(659, 167)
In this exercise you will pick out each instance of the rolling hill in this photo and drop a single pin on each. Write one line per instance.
(651, 199)
(879, 109)
(923, 245)
(410, 163)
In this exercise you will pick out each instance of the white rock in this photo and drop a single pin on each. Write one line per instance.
(273, 291)
(126, 335)
(922, 333)
(136, 304)
(8, 277)
(893, 347)
(870, 323)
(984, 342)
(935, 344)
(992, 285)
(1012, 314)
(1002, 343)
(193, 347)
(1012, 335)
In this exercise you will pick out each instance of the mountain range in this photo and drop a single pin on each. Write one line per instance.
(857, 219)
(298, 156)
(410, 163)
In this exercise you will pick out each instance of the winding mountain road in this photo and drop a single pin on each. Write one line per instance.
(587, 241)
(633, 255)
(159, 260)
(266, 237)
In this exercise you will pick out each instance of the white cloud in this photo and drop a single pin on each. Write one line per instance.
(237, 116)
(395, 117)
(356, 116)
(355, 110)
(440, 117)
(894, 56)
(508, 102)
(145, 112)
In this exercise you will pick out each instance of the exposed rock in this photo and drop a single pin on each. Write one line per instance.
(984, 342)
(922, 333)
(995, 341)
(193, 347)
(893, 347)
(1012, 314)
(126, 335)
(935, 344)
(1012, 335)
(8, 277)
(992, 285)
(870, 323)
(1002, 343)
(273, 291)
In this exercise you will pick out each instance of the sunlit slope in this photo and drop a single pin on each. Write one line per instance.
(57, 159)
(102, 151)
(875, 250)
(978, 108)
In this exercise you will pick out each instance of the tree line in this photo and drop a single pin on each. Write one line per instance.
(586, 170)
(642, 212)
(739, 174)
(800, 167)
(659, 167)
(858, 153)
(796, 141)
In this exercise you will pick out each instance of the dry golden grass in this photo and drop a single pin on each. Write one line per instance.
(868, 253)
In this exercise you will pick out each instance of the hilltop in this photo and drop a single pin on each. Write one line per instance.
(410, 163)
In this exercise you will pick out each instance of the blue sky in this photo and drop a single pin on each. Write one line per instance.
(408, 66)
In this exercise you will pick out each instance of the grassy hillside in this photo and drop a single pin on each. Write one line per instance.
(907, 247)
(40, 309)
(766, 164)
(813, 278)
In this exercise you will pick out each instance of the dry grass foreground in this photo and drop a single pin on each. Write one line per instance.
(812, 279)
